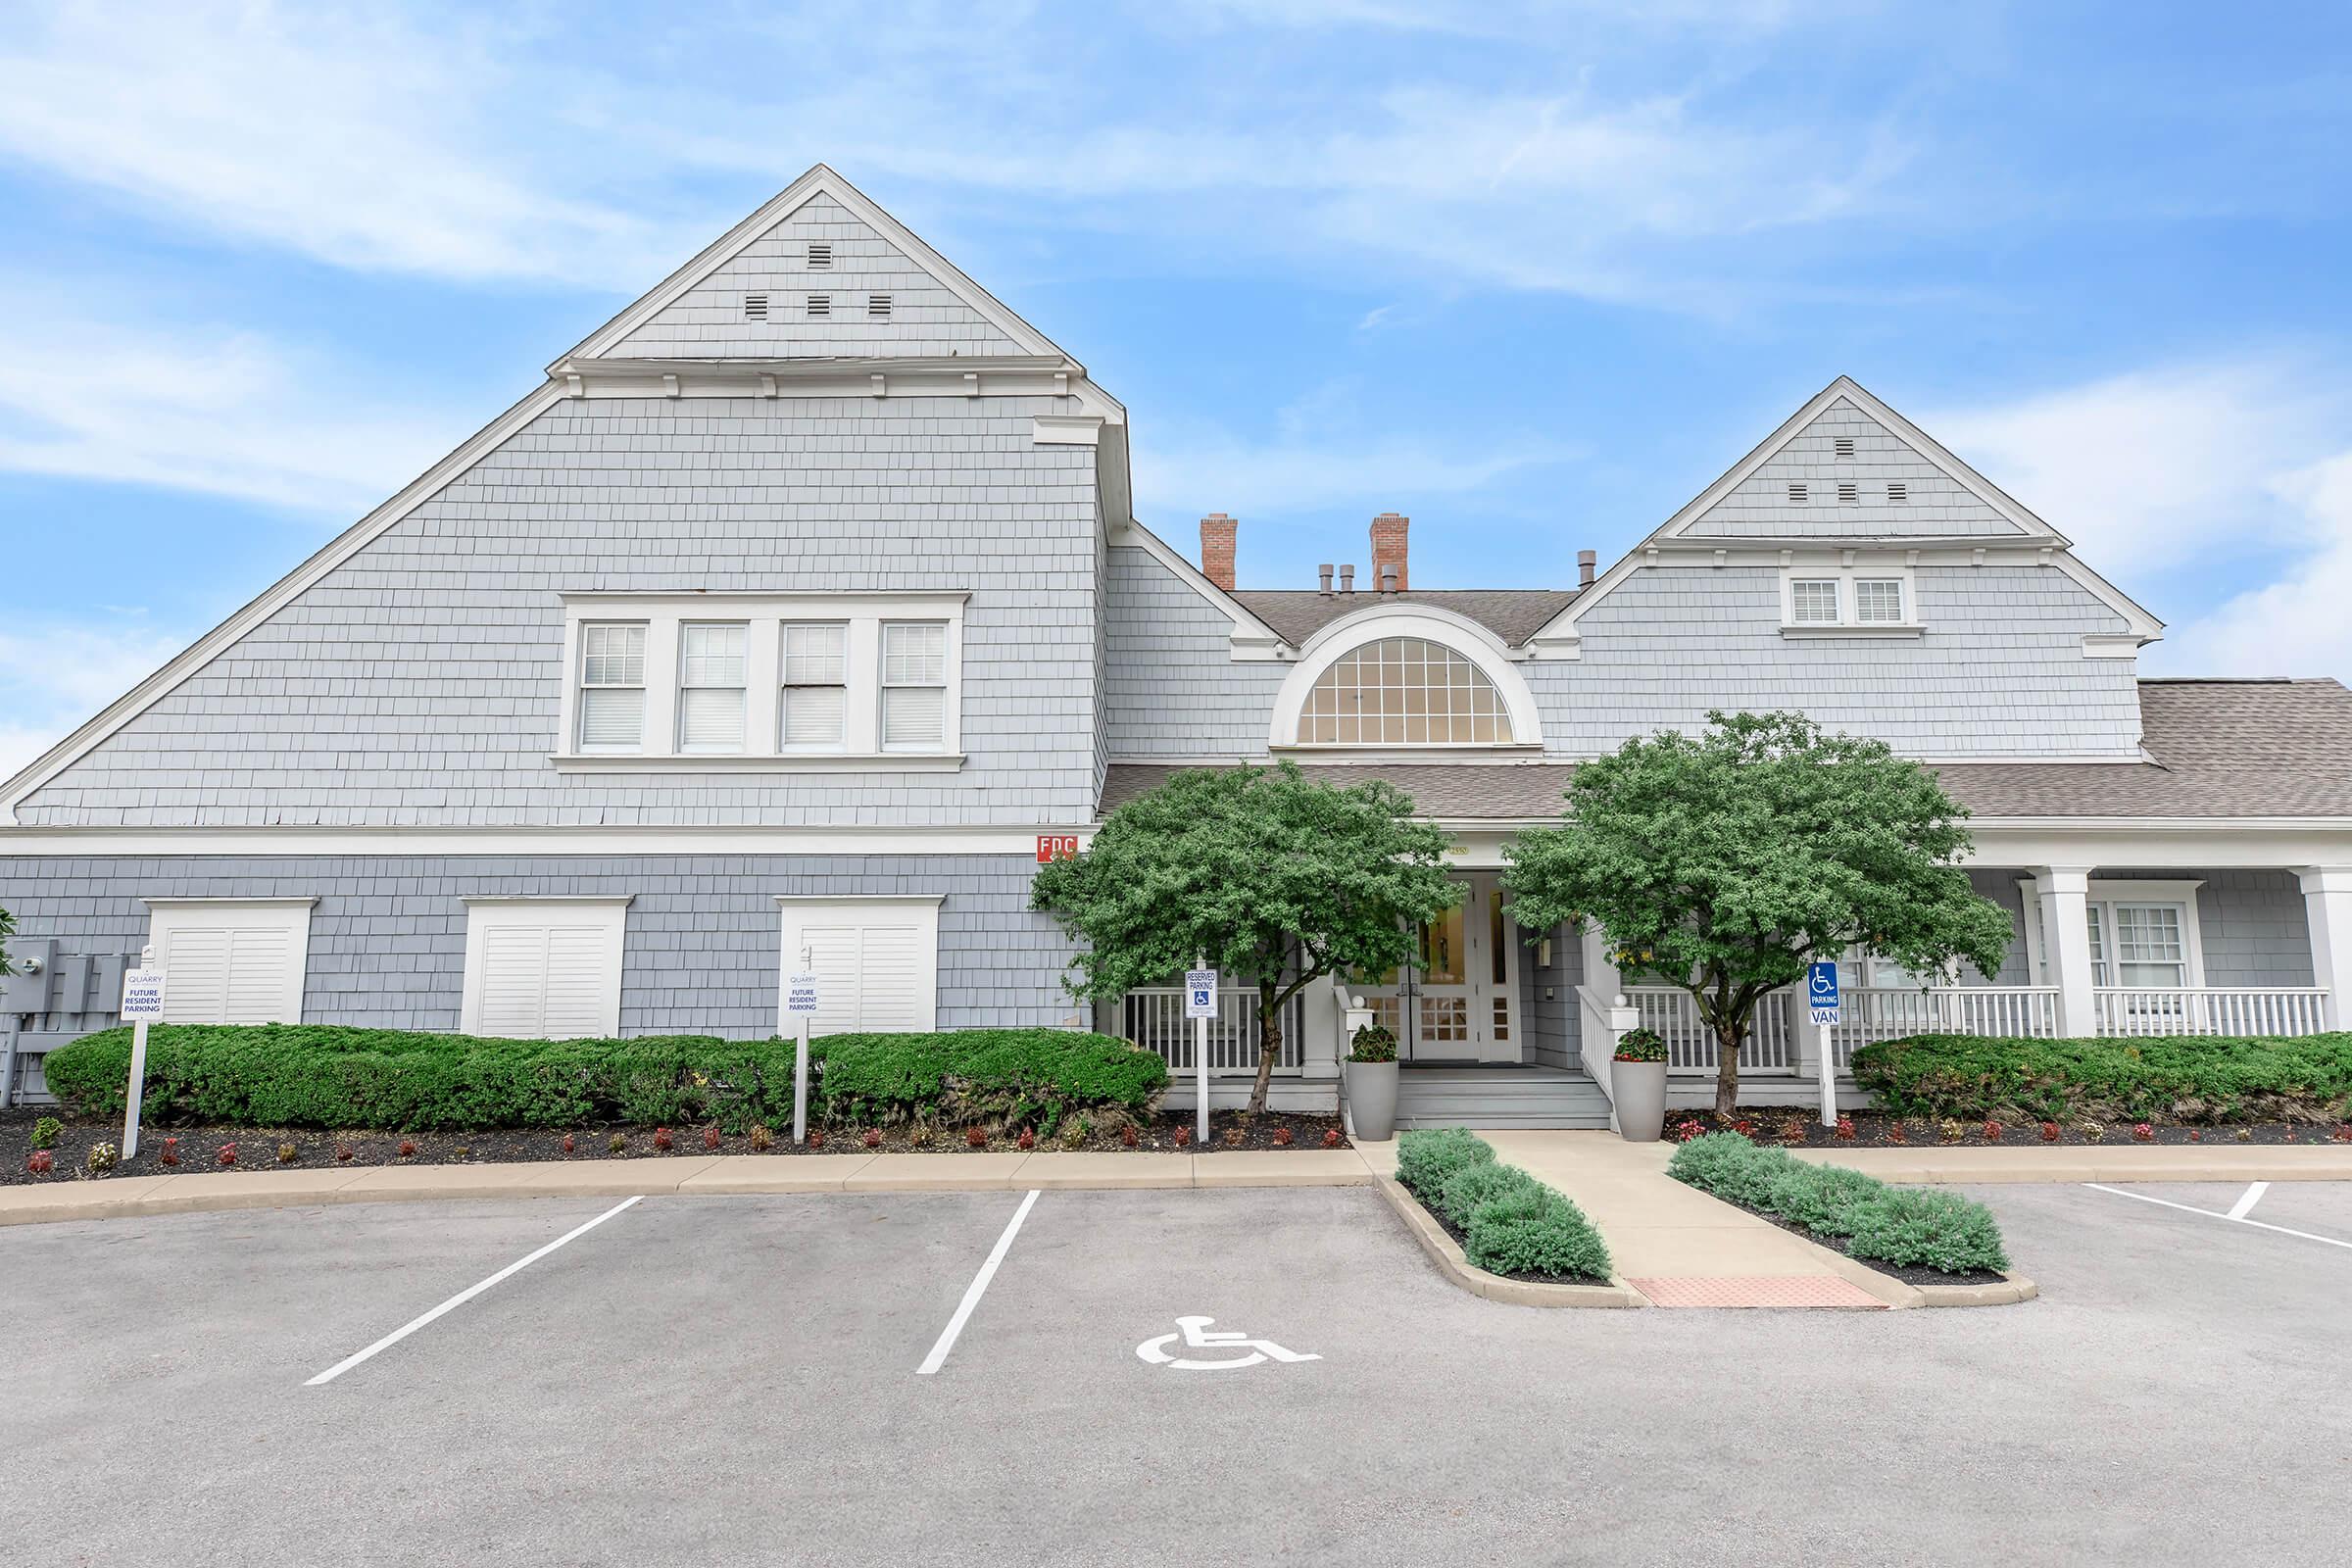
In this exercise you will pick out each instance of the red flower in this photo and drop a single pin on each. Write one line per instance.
(662, 1138)
(170, 1153)
(976, 1136)
(2049, 1132)
(228, 1154)
(1331, 1138)
(1027, 1140)
(408, 1148)
(2196, 1135)
(1992, 1132)
(1281, 1138)
(1744, 1127)
(710, 1138)
(1685, 1131)
(2145, 1133)
(41, 1163)
(1845, 1128)
(568, 1144)
(816, 1138)
(873, 1138)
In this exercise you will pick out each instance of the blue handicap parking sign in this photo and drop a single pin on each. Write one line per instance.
(1821, 990)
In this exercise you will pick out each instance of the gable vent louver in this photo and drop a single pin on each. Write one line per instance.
(755, 307)
(820, 305)
(1797, 495)
(820, 255)
(877, 305)
(1898, 491)
(1849, 492)
(1846, 446)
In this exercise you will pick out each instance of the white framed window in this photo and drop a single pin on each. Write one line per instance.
(1849, 600)
(914, 687)
(612, 702)
(876, 960)
(1403, 691)
(2143, 935)
(1813, 601)
(543, 968)
(231, 960)
(762, 682)
(814, 706)
(711, 687)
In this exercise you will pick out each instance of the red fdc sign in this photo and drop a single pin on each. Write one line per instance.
(1056, 847)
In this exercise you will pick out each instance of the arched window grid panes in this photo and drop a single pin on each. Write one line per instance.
(1403, 691)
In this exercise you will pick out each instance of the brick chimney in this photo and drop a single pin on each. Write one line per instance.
(1387, 552)
(1217, 549)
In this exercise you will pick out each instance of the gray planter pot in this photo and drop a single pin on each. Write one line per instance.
(1639, 1090)
(1372, 1098)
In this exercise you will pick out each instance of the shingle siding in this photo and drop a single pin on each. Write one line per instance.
(1759, 506)
(1999, 672)
(700, 954)
(420, 682)
(1552, 1023)
(1172, 685)
(707, 321)
(2253, 924)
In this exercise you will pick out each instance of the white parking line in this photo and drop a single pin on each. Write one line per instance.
(977, 1289)
(467, 1295)
(2247, 1199)
(2215, 1213)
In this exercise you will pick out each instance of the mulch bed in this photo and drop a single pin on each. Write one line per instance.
(258, 1148)
(1908, 1273)
(1796, 1128)
(1461, 1239)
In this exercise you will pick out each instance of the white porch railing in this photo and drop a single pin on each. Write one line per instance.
(1154, 1018)
(2210, 1010)
(1871, 1013)
(1690, 1046)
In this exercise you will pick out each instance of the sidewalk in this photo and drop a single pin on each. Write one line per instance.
(195, 1191)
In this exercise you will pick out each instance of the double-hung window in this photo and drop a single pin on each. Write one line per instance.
(1878, 600)
(1848, 597)
(815, 701)
(710, 688)
(1813, 601)
(915, 686)
(611, 688)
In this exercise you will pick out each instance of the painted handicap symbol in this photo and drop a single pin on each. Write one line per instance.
(1195, 1335)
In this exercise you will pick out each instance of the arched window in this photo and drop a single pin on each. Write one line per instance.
(1403, 691)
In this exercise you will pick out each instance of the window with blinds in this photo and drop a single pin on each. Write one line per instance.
(1878, 600)
(543, 969)
(710, 688)
(914, 687)
(1813, 601)
(813, 709)
(611, 688)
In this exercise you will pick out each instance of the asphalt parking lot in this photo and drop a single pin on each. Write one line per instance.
(698, 1380)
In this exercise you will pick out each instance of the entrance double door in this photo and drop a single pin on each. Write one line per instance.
(1459, 998)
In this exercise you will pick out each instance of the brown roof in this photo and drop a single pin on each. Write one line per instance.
(1513, 615)
(2221, 748)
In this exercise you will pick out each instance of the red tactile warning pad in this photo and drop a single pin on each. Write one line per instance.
(1757, 1289)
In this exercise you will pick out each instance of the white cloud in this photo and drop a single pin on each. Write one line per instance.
(223, 412)
(1195, 469)
(55, 674)
(2300, 624)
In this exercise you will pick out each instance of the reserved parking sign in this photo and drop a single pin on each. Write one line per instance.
(1199, 993)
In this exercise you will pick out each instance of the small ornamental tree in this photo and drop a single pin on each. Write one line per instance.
(8, 928)
(1277, 879)
(1725, 863)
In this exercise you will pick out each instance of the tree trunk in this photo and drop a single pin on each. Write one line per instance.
(1269, 1047)
(1728, 1034)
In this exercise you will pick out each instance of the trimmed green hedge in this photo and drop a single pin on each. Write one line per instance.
(317, 1075)
(2198, 1078)
(1510, 1222)
(1898, 1225)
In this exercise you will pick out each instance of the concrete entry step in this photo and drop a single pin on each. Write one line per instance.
(1504, 1096)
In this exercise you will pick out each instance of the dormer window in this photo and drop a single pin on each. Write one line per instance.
(1403, 691)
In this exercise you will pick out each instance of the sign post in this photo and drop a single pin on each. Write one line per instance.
(799, 1004)
(1821, 995)
(142, 1000)
(1200, 1005)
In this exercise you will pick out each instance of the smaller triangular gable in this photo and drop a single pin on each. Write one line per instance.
(1891, 483)
(818, 273)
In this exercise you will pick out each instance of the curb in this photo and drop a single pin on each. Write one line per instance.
(735, 1175)
(1443, 1252)
(2013, 1289)
(2130, 1163)
(1900, 1294)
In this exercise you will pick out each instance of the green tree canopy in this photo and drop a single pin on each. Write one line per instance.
(1726, 862)
(1279, 880)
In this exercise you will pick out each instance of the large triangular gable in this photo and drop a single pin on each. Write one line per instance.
(1945, 500)
(820, 272)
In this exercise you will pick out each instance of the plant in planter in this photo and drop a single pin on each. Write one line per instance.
(1637, 1084)
(1371, 1070)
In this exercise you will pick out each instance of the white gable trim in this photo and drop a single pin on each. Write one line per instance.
(1252, 638)
(123, 709)
(819, 179)
(1559, 639)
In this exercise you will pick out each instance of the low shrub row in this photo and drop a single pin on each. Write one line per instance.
(1905, 1226)
(2191, 1079)
(317, 1075)
(1510, 1223)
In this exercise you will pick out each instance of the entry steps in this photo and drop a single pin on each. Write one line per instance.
(1509, 1095)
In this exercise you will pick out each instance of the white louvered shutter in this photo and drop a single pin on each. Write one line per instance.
(232, 963)
(877, 965)
(535, 973)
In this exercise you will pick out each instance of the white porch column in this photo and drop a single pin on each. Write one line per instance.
(2065, 943)
(2327, 905)
(1601, 970)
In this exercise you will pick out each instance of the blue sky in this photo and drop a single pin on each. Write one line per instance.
(1534, 274)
